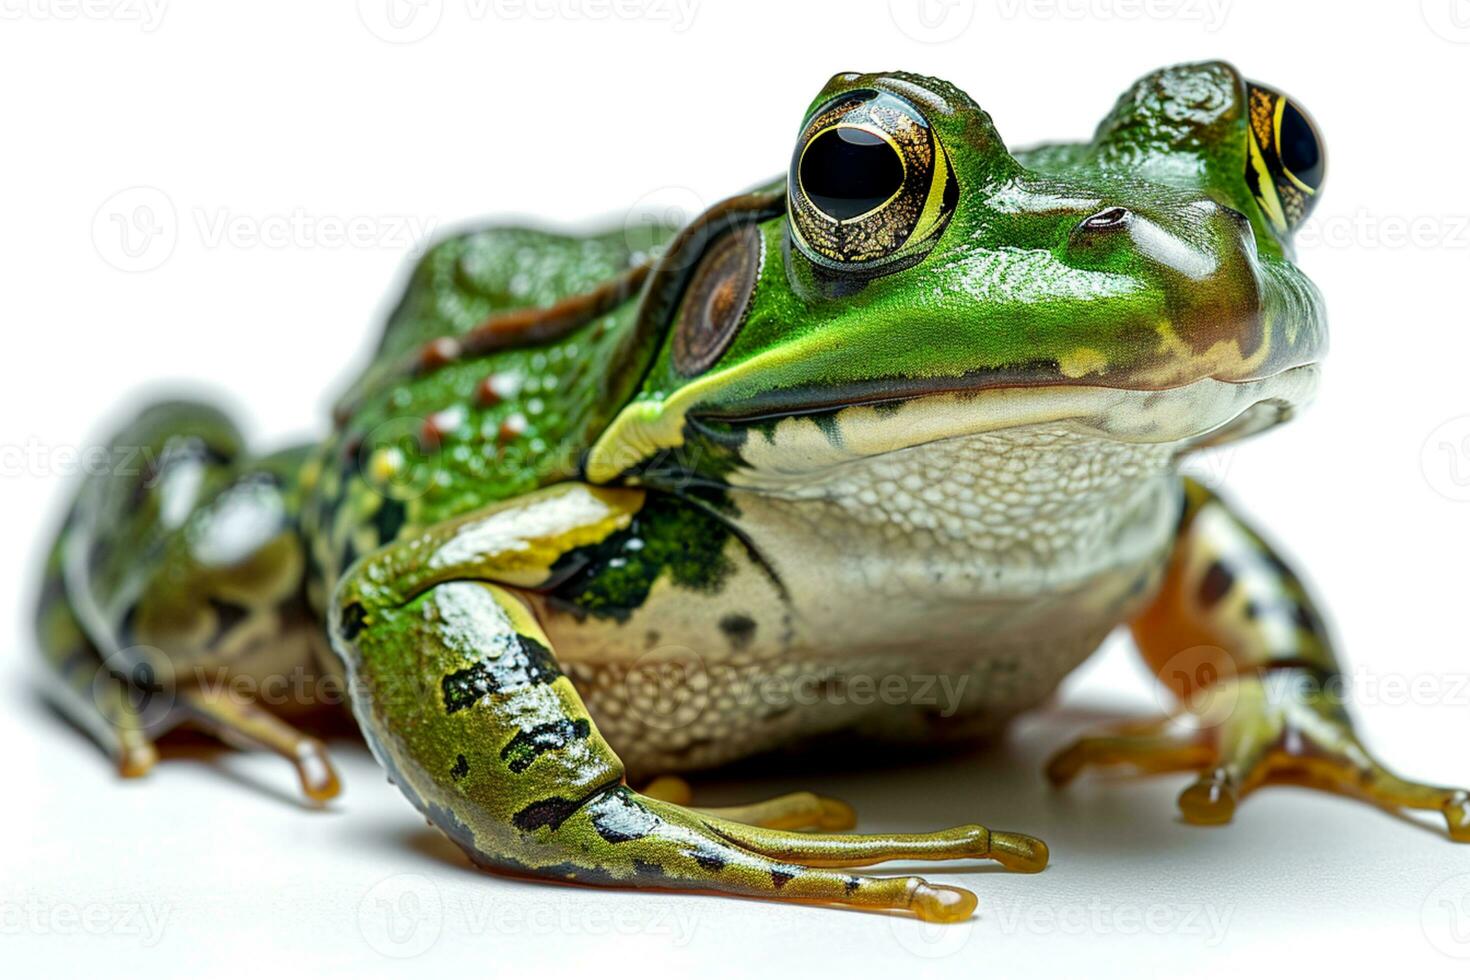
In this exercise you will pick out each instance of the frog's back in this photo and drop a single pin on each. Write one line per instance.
(417, 443)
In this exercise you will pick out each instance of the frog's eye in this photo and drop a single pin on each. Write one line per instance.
(870, 186)
(1286, 162)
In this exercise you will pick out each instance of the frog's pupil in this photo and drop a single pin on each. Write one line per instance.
(846, 172)
(1301, 154)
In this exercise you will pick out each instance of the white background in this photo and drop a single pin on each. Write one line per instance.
(258, 128)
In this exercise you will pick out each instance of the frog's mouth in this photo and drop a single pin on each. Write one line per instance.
(813, 434)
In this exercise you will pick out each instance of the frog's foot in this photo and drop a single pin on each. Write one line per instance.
(794, 811)
(246, 725)
(1277, 728)
(623, 837)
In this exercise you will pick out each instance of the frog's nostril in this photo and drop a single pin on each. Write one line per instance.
(1106, 219)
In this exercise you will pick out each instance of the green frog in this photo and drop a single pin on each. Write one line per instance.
(876, 452)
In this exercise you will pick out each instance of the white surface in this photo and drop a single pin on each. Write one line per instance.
(268, 119)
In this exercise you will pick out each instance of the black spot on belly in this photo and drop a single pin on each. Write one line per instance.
(619, 818)
(519, 664)
(528, 745)
(1217, 582)
(551, 812)
(739, 629)
(461, 768)
(851, 885)
(779, 877)
(353, 618)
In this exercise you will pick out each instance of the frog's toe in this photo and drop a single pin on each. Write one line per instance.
(1017, 852)
(1210, 799)
(1147, 748)
(794, 811)
(246, 724)
(135, 758)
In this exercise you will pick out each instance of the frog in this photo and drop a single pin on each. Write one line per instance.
(605, 509)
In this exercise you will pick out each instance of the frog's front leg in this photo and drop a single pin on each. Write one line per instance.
(1236, 636)
(461, 697)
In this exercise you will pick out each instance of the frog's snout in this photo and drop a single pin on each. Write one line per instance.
(1199, 255)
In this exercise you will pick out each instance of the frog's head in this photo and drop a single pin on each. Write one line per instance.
(925, 283)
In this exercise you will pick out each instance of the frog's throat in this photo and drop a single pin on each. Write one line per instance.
(1203, 412)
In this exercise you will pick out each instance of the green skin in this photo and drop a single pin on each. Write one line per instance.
(482, 517)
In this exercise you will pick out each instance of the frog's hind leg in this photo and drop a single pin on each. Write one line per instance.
(793, 811)
(76, 683)
(178, 575)
(460, 695)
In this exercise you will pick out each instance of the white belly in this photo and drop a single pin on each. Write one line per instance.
(923, 593)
